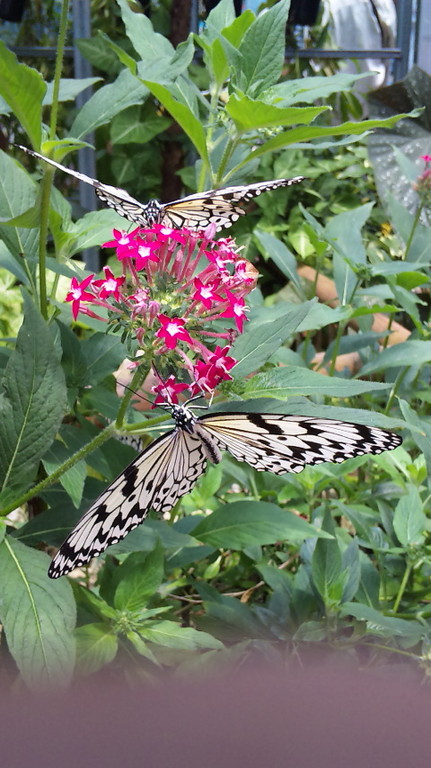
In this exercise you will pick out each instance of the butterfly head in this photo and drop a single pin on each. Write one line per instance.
(154, 212)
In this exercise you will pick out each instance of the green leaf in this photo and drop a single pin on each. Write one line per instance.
(386, 626)
(309, 89)
(73, 480)
(344, 234)
(307, 132)
(410, 522)
(32, 403)
(107, 102)
(251, 114)
(96, 647)
(262, 48)
(173, 635)
(38, 615)
(129, 128)
(402, 355)
(256, 345)
(242, 524)
(70, 88)
(17, 194)
(276, 250)
(139, 578)
(183, 116)
(152, 47)
(329, 576)
(23, 89)
(103, 355)
(282, 383)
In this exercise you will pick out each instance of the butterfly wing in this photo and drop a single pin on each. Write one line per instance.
(114, 197)
(156, 479)
(279, 444)
(221, 207)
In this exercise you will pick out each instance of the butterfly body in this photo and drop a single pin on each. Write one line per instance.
(169, 468)
(221, 207)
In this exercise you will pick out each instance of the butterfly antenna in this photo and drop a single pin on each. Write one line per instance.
(138, 394)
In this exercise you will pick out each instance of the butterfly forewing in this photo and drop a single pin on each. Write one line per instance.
(279, 444)
(156, 479)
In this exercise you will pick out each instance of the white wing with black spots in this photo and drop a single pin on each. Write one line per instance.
(221, 207)
(156, 479)
(288, 443)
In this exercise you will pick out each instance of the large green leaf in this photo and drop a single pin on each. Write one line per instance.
(256, 345)
(38, 615)
(17, 194)
(251, 114)
(107, 102)
(32, 403)
(190, 124)
(243, 524)
(284, 382)
(23, 89)
(407, 353)
(262, 48)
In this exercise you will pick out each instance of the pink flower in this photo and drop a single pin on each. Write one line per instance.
(236, 309)
(122, 241)
(78, 294)
(427, 158)
(206, 294)
(208, 375)
(144, 252)
(220, 359)
(168, 390)
(172, 331)
(110, 286)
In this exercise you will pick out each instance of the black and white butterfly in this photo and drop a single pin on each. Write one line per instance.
(217, 206)
(171, 465)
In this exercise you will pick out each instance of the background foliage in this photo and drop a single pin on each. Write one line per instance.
(249, 562)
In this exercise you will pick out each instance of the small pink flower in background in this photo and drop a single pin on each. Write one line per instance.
(422, 185)
(78, 294)
(427, 158)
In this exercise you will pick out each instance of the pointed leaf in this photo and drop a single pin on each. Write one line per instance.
(32, 403)
(38, 615)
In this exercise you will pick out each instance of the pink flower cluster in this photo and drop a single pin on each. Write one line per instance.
(174, 286)
(422, 184)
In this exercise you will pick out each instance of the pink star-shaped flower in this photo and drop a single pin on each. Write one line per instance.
(168, 391)
(206, 294)
(236, 309)
(78, 294)
(172, 330)
(110, 286)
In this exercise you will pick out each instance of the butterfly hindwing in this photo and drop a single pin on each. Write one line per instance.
(156, 479)
(278, 443)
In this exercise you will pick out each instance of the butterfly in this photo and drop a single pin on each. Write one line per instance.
(170, 466)
(217, 206)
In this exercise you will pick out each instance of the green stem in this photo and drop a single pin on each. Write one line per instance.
(48, 174)
(227, 154)
(58, 67)
(138, 378)
(98, 440)
(337, 342)
(395, 388)
(45, 194)
(403, 585)
(412, 231)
